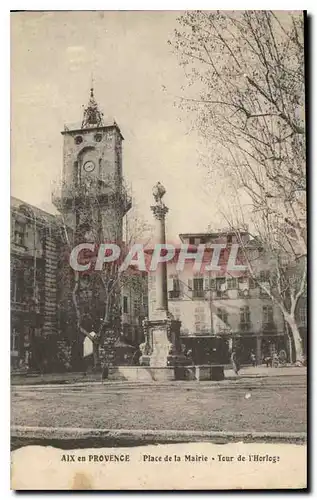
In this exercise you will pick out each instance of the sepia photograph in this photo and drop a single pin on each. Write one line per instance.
(158, 250)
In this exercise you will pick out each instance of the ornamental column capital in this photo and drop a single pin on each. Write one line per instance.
(159, 211)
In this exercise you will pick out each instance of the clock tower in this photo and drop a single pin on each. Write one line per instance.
(93, 202)
(93, 199)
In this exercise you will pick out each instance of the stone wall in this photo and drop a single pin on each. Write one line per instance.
(50, 285)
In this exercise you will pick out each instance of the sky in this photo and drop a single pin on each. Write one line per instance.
(55, 55)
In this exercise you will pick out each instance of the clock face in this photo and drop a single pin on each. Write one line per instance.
(89, 166)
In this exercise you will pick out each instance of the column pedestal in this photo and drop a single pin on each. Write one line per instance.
(162, 347)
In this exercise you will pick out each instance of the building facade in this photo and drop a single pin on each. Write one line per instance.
(221, 310)
(92, 202)
(35, 245)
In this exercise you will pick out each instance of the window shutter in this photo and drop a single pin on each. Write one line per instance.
(212, 284)
(170, 284)
(180, 287)
(177, 284)
(248, 315)
(241, 314)
(207, 284)
(190, 285)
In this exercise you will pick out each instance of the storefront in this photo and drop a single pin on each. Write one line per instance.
(217, 349)
(26, 327)
(207, 349)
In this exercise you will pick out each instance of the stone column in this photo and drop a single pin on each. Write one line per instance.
(159, 212)
(162, 347)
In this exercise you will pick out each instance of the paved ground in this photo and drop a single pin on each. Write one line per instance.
(76, 378)
(274, 403)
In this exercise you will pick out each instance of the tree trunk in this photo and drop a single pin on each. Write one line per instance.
(96, 356)
(298, 344)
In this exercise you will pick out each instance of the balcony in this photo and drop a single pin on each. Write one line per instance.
(174, 294)
(245, 326)
(222, 330)
(269, 327)
(25, 307)
(19, 306)
(198, 294)
(201, 330)
(65, 196)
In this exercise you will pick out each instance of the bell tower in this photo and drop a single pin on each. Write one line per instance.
(92, 198)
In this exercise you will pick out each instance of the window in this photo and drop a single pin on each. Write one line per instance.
(267, 314)
(191, 241)
(17, 287)
(136, 305)
(173, 286)
(219, 283)
(231, 283)
(222, 315)
(303, 315)
(245, 314)
(176, 285)
(229, 239)
(198, 289)
(221, 287)
(264, 275)
(19, 233)
(76, 174)
(200, 319)
(125, 304)
(175, 292)
(14, 340)
(210, 284)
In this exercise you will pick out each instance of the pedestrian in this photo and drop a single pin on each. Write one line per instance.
(282, 357)
(267, 360)
(235, 362)
(104, 372)
(253, 358)
(275, 360)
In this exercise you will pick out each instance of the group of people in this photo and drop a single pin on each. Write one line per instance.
(275, 359)
(272, 360)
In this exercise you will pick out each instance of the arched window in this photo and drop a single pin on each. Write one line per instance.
(19, 236)
(76, 174)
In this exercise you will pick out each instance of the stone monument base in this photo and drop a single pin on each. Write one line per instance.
(162, 347)
(143, 374)
(146, 374)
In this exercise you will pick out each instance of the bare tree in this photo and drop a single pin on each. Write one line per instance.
(96, 294)
(246, 76)
(269, 257)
